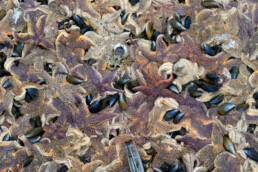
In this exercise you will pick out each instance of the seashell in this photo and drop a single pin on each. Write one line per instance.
(153, 46)
(132, 84)
(34, 132)
(16, 112)
(234, 72)
(31, 94)
(7, 137)
(206, 86)
(173, 88)
(174, 167)
(20, 142)
(27, 161)
(155, 35)
(251, 128)
(113, 99)
(91, 61)
(3, 72)
(79, 22)
(7, 84)
(196, 93)
(38, 122)
(169, 115)
(33, 122)
(121, 82)
(178, 117)
(178, 18)
(242, 107)
(225, 108)
(73, 79)
(122, 102)
(149, 29)
(164, 167)
(255, 95)
(210, 4)
(124, 18)
(208, 50)
(16, 104)
(95, 106)
(168, 37)
(180, 68)
(63, 169)
(251, 153)
(17, 52)
(133, 2)
(187, 22)
(34, 139)
(176, 25)
(217, 99)
(229, 145)
(120, 50)
(89, 99)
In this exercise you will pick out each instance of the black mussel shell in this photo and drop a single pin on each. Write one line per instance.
(251, 128)
(2, 14)
(174, 167)
(89, 99)
(34, 132)
(17, 52)
(234, 72)
(122, 102)
(113, 99)
(62, 169)
(153, 46)
(83, 26)
(91, 61)
(178, 117)
(168, 37)
(73, 79)
(196, 93)
(176, 25)
(7, 84)
(95, 106)
(16, 112)
(133, 2)
(187, 22)
(255, 95)
(208, 50)
(38, 122)
(149, 29)
(229, 145)
(207, 87)
(124, 18)
(164, 167)
(155, 35)
(249, 69)
(224, 108)
(173, 88)
(27, 161)
(251, 153)
(121, 82)
(7, 137)
(242, 107)
(31, 94)
(119, 51)
(16, 104)
(170, 114)
(34, 139)
(132, 84)
(33, 122)
(217, 99)
(210, 4)
(3, 72)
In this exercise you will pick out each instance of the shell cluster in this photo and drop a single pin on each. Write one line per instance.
(128, 85)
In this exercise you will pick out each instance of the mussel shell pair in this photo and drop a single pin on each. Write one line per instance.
(174, 114)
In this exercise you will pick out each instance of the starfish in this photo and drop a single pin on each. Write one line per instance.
(72, 46)
(102, 84)
(155, 89)
(59, 87)
(162, 54)
(29, 4)
(35, 35)
(87, 9)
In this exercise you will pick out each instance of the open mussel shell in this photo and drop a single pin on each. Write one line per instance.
(27, 161)
(169, 115)
(73, 79)
(251, 153)
(229, 145)
(224, 108)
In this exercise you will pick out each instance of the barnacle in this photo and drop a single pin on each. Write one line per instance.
(128, 85)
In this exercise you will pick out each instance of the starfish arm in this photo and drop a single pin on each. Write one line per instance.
(144, 89)
(95, 76)
(150, 81)
(47, 44)
(150, 55)
(165, 83)
(160, 44)
(109, 77)
(175, 47)
(22, 37)
(41, 25)
(28, 48)
(108, 88)
(87, 7)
